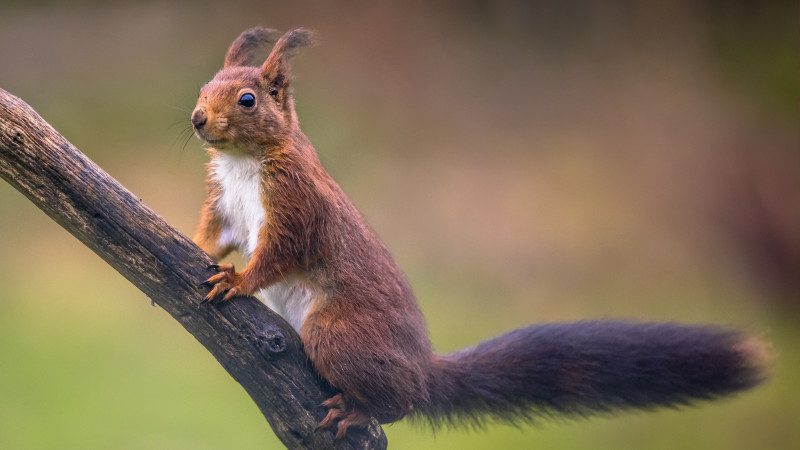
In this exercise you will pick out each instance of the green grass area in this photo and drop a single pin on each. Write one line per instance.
(90, 368)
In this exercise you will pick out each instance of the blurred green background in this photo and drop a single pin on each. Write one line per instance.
(525, 162)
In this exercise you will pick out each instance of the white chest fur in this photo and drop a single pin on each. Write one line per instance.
(241, 208)
(240, 202)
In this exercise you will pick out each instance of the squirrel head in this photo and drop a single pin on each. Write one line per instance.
(245, 108)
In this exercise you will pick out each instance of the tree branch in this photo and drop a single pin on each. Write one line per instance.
(255, 345)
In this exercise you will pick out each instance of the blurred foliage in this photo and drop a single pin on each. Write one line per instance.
(526, 162)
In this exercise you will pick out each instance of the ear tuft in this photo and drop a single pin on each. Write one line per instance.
(276, 67)
(296, 39)
(243, 50)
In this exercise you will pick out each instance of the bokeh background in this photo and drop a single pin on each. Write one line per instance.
(525, 162)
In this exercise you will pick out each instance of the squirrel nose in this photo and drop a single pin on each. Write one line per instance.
(199, 118)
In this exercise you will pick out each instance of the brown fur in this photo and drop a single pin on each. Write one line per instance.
(364, 332)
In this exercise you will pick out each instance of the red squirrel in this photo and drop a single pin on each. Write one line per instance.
(313, 259)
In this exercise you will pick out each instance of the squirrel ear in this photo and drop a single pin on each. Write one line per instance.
(242, 50)
(276, 67)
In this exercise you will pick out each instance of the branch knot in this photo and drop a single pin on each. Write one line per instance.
(271, 342)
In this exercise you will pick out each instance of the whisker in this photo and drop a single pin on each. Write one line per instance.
(178, 107)
(177, 122)
(184, 135)
(179, 136)
(186, 141)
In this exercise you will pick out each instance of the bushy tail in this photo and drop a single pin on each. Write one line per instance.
(589, 367)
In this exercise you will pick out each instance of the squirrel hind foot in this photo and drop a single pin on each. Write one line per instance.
(335, 402)
(346, 415)
(351, 418)
(330, 418)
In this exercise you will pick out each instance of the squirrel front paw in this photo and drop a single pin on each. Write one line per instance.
(226, 282)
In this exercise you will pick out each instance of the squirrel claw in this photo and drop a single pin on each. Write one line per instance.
(336, 409)
(221, 267)
(221, 277)
(353, 418)
(224, 284)
(232, 292)
(218, 289)
(208, 298)
(335, 402)
(332, 416)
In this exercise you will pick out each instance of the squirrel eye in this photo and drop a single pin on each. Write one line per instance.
(247, 100)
